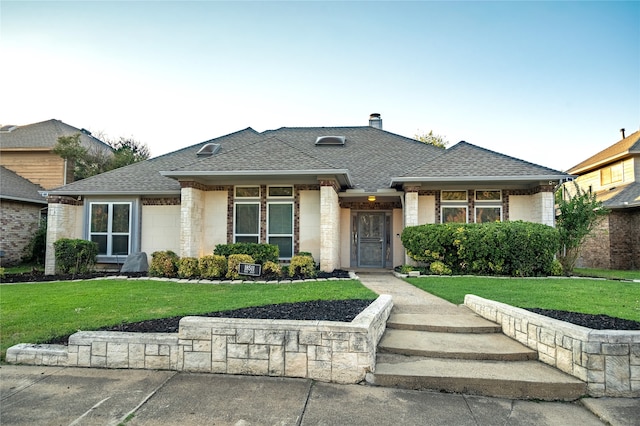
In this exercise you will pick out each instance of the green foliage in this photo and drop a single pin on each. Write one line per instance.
(259, 252)
(498, 248)
(75, 256)
(36, 250)
(1, 272)
(556, 268)
(214, 266)
(302, 265)
(163, 264)
(578, 216)
(405, 269)
(188, 267)
(233, 268)
(430, 139)
(127, 151)
(439, 268)
(271, 270)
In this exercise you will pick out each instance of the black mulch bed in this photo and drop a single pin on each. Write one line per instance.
(597, 322)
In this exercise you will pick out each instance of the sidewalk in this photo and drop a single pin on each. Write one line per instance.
(81, 396)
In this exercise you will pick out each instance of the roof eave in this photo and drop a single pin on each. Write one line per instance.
(97, 193)
(347, 181)
(450, 179)
(24, 200)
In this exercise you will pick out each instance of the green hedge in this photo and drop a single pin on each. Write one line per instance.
(498, 248)
(75, 256)
(260, 253)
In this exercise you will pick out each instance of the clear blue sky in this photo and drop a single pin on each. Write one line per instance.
(548, 82)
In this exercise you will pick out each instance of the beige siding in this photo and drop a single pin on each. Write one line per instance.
(160, 229)
(426, 209)
(42, 168)
(309, 236)
(215, 220)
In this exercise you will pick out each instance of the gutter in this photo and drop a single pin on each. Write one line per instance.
(218, 173)
(520, 178)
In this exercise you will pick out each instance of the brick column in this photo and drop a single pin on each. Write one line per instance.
(329, 226)
(191, 219)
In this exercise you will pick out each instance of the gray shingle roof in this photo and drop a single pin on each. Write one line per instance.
(622, 196)
(44, 135)
(465, 161)
(15, 187)
(368, 160)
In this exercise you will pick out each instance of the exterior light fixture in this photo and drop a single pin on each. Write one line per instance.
(371, 198)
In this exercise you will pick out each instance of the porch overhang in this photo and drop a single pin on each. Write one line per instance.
(341, 175)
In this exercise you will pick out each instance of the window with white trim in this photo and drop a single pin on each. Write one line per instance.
(488, 206)
(246, 215)
(110, 227)
(280, 219)
(453, 207)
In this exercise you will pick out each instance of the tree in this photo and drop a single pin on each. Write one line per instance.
(88, 163)
(578, 215)
(431, 139)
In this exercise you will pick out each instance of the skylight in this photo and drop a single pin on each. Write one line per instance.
(330, 140)
(208, 150)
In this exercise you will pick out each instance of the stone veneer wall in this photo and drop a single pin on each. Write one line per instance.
(340, 352)
(607, 360)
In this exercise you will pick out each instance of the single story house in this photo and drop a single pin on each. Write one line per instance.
(613, 174)
(343, 194)
(22, 208)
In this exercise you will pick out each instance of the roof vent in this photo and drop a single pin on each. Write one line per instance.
(208, 150)
(375, 121)
(330, 140)
(85, 131)
(8, 128)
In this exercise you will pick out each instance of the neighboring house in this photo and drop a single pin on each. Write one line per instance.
(28, 151)
(343, 194)
(613, 175)
(22, 207)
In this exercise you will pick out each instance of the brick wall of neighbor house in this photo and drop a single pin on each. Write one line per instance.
(40, 167)
(594, 252)
(18, 222)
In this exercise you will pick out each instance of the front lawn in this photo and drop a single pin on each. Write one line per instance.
(35, 313)
(607, 273)
(614, 298)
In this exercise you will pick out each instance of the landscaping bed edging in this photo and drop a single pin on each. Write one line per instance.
(329, 351)
(607, 360)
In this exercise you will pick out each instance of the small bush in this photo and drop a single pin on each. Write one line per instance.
(214, 266)
(439, 268)
(405, 269)
(233, 267)
(271, 270)
(259, 252)
(188, 267)
(556, 268)
(36, 250)
(75, 256)
(303, 266)
(163, 264)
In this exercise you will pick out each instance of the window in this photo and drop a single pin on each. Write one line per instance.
(488, 206)
(280, 219)
(247, 214)
(110, 228)
(454, 207)
(612, 174)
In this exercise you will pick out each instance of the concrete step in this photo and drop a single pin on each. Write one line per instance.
(514, 380)
(492, 346)
(464, 321)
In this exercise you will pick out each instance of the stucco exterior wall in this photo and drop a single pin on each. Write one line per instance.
(18, 223)
(309, 236)
(345, 239)
(398, 248)
(520, 208)
(160, 229)
(426, 209)
(215, 220)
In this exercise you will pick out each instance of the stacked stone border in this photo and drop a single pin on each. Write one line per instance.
(607, 360)
(339, 352)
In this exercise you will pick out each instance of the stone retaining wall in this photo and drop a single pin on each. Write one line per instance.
(339, 352)
(607, 360)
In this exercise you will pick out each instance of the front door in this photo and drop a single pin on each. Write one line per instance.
(371, 240)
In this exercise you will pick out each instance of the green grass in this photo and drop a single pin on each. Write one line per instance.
(614, 298)
(607, 273)
(35, 313)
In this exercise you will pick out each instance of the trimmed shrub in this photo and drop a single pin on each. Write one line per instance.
(439, 268)
(498, 248)
(271, 270)
(188, 267)
(233, 267)
(259, 252)
(303, 266)
(163, 264)
(75, 256)
(214, 266)
(556, 268)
